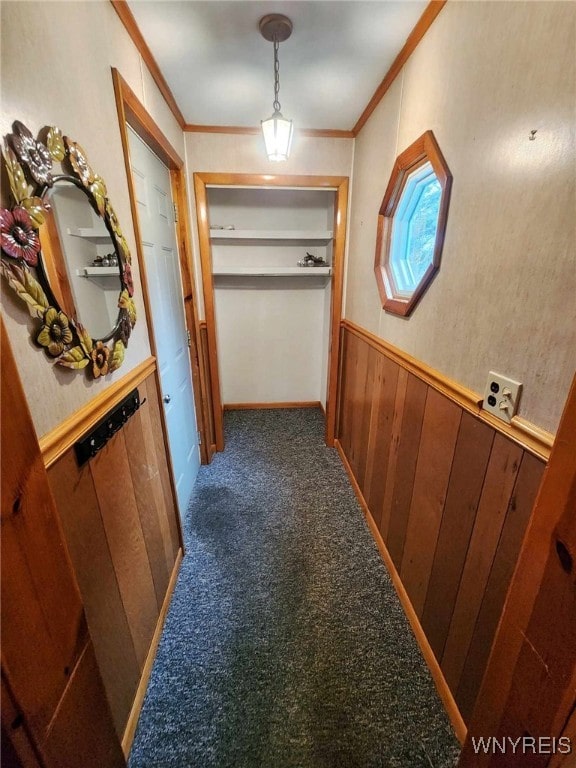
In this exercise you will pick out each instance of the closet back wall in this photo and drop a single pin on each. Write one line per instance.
(273, 332)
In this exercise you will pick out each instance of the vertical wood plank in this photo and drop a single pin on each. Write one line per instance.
(84, 705)
(79, 512)
(520, 508)
(173, 518)
(382, 419)
(349, 383)
(466, 479)
(407, 457)
(17, 748)
(115, 492)
(497, 490)
(149, 493)
(437, 444)
(396, 431)
(168, 515)
(35, 661)
(343, 341)
(43, 624)
(348, 366)
(544, 650)
(363, 415)
(372, 434)
(531, 675)
(566, 759)
(373, 428)
(9, 752)
(357, 442)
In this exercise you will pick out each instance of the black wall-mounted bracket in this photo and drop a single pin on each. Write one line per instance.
(107, 427)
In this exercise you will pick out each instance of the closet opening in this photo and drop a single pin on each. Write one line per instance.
(272, 251)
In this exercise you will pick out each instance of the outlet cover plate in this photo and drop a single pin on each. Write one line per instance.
(501, 396)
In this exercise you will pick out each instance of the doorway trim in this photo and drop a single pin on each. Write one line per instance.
(337, 183)
(131, 112)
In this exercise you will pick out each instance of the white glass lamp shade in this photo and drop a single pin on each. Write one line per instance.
(277, 133)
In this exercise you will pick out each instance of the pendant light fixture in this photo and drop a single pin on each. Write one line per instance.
(277, 130)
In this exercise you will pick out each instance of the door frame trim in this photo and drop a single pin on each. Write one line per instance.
(337, 183)
(132, 112)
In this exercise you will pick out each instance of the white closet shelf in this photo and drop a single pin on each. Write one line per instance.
(288, 235)
(98, 236)
(273, 271)
(99, 272)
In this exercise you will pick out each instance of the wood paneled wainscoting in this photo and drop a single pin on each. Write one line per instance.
(54, 709)
(122, 530)
(447, 495)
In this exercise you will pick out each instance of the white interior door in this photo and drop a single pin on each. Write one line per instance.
(159, 246)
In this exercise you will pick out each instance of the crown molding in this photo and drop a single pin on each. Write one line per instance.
(314, 133)
(127, 18)
(422, 26)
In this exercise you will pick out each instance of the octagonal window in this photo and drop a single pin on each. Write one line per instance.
(411, 225)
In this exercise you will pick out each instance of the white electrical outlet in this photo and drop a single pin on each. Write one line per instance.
(501, 396)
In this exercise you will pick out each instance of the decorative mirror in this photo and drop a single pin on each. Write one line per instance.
(64, 254)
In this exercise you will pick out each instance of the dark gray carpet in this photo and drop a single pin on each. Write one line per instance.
(285, 645)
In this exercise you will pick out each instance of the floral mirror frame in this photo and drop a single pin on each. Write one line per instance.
(29, 166)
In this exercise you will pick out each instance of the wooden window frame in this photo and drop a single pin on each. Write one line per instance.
(424, 149)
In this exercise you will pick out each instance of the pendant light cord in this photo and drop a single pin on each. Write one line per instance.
(276, 103)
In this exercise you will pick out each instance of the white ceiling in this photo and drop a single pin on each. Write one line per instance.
(220, 69)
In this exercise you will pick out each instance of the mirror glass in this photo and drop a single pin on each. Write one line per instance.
(83, 266)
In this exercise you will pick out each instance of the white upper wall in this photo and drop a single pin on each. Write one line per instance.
(482, 78)
(56, 60)
(244, 153)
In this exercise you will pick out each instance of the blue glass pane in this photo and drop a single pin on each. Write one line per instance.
(422, 232)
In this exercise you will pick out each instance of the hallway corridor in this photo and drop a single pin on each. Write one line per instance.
(286, 645)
